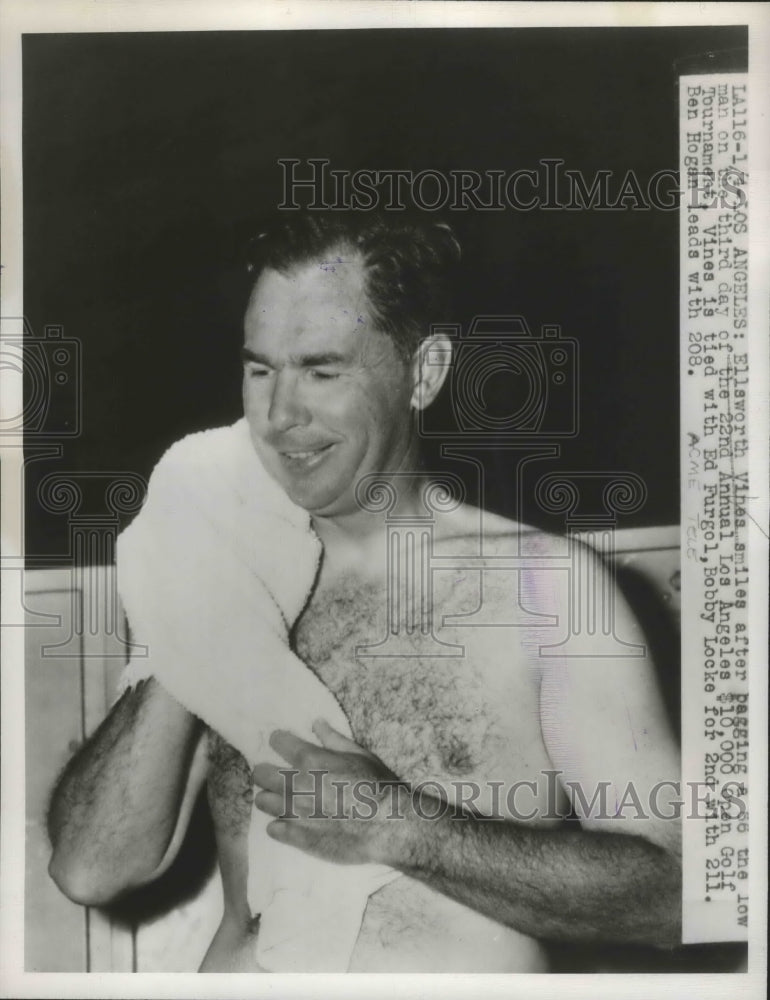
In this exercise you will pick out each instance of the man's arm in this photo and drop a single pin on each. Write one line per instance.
(562, 883)
(557, 884)
(618, 876)
(120, 809)
(615, 877)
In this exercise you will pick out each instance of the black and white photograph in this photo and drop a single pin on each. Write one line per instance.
(384, 451)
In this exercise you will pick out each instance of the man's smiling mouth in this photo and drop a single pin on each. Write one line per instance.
(307, 457)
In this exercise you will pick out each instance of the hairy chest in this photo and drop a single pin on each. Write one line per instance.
(425, 716)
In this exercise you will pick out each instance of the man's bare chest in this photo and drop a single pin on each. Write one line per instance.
(426, 716)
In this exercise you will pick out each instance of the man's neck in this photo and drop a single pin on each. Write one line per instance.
(364, 522)
(359, 527)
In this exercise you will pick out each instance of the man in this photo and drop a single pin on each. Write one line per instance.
(338, 363)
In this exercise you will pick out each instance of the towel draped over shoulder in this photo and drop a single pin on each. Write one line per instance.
(213, 573)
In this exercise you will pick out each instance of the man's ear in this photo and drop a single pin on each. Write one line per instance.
(430, 367)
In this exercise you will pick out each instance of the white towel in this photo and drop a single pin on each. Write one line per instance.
(213, 573)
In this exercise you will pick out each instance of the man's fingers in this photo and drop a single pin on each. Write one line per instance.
(270, 803)
(334, 740)
(278, 830)
(291, 807)
(289, 746)
(307, 756)
(268, 776)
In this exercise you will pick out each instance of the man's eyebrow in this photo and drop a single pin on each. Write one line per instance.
(301, 360)
(248, 355)
(318, 360)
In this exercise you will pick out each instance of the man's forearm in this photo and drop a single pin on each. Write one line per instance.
(115, 807)
(553, 883)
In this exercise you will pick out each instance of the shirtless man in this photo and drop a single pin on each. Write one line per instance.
(335, 372)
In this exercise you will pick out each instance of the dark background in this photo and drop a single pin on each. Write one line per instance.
(149, 158)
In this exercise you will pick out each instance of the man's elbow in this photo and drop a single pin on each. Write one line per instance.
(80, 883)
(91, 884)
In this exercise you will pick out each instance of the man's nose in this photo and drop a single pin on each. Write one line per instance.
(286, 407)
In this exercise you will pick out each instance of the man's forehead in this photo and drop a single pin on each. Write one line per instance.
(315, 300)
(333, 277)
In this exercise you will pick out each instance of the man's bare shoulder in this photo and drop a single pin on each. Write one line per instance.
(470, 530)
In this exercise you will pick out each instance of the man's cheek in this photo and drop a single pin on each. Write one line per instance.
(252, 410)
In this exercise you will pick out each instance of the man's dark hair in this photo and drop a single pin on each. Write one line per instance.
(410, 263)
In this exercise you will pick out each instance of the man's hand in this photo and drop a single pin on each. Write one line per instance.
(331, 800)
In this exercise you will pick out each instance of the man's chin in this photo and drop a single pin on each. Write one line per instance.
(311, 490)
(307, 496)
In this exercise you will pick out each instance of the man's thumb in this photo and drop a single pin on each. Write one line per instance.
(333, 740)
